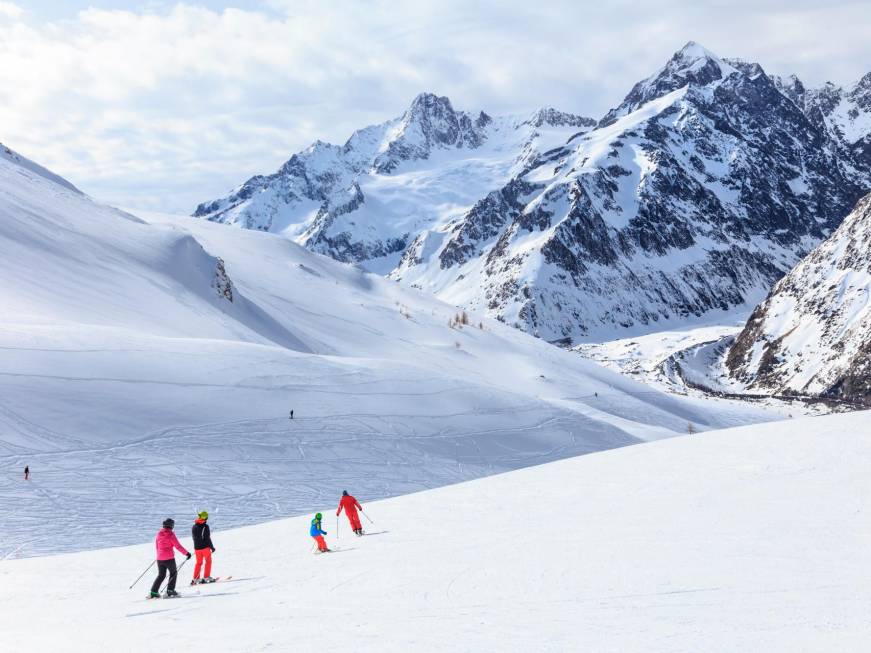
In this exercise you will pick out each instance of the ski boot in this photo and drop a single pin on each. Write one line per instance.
(154, 595)
(207, 579)
(172, 594)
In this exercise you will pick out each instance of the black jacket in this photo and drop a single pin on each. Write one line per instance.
(202, 536)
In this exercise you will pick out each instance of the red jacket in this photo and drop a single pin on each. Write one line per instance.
(350, 505)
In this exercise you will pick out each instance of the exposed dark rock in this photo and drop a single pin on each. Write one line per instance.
(812, 334)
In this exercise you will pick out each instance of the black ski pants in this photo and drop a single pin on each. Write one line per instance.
(164, 566)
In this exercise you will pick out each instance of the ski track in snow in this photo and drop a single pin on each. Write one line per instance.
(750, 539)
(247, 471)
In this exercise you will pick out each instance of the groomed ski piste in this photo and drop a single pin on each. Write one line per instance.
(747, 539)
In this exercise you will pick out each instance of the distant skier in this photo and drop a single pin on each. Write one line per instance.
(203, 548)
(318, 533)
(291, 414)
(27, 472)
(165, 542)
(351, 506)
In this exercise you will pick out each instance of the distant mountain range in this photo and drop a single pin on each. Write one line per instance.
(698, 192)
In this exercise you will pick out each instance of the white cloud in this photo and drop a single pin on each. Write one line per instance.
(169, 107)
(10, 10)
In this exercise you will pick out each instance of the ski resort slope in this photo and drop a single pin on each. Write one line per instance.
(748, 539)
(148, 365)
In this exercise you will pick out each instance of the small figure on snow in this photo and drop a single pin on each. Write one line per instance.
(203, 548)
(291, 413)
(351, 506)
(165, 542)
(318, 533)
(27, 472)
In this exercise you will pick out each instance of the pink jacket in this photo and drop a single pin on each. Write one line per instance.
(165, 541)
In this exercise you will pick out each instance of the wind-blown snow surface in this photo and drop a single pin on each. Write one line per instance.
(750, 539)
(141, 374)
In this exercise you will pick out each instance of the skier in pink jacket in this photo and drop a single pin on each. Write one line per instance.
(165, 542)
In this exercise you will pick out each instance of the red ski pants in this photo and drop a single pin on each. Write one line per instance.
(203, 555)
(354, 518)
(322, 544)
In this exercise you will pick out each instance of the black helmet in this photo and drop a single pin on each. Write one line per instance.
(344, 493)
(169, 522)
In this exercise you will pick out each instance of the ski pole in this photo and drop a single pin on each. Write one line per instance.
(337, 527)
(367, 516)
(175, 575)
(142, 574)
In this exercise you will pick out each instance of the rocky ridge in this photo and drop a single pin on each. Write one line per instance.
(696, 193)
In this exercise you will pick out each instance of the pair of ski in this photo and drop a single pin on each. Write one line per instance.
(179, 596)
(209, 582)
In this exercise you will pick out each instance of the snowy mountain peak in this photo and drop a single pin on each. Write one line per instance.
(320, 146)
(427, 106)
(554, 118)
(693, 65)
(429, 123)
(691, 54)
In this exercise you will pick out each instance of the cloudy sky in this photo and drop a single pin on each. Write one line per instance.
(159, 104)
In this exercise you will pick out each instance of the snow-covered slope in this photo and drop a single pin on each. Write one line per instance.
(24, 163)
(812, 335)
(751, 539)
(701, 189)
(149, 364)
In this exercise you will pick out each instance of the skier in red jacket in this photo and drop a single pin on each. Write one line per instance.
(351, 506)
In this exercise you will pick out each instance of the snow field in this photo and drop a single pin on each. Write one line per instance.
(133, 388)
(742, 539)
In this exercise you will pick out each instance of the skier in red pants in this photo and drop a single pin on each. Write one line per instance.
(318, 534)
(351, 506)
(203, 548)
